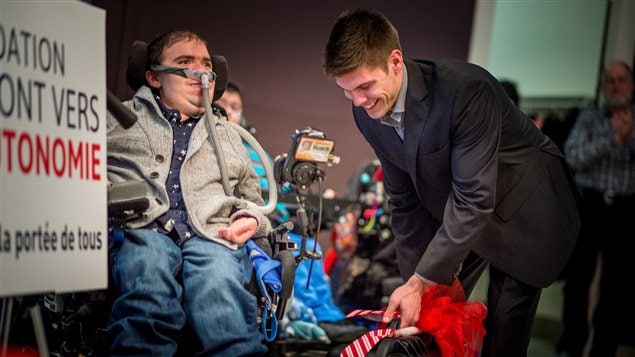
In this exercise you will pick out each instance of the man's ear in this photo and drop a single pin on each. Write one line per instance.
(153, 79)
(395, 60)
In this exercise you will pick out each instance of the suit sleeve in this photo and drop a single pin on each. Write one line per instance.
(474, 140)
(410, 221)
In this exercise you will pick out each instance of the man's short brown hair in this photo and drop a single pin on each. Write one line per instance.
(359, 38)
(167, 39)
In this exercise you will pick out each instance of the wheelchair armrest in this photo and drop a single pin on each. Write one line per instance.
(127, 199)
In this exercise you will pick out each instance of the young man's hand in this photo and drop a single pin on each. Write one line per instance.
(406, 299)
(240, 230)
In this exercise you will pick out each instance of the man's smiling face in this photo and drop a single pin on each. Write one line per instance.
(374, 89)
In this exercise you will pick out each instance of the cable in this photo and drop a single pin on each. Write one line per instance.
(211, 126)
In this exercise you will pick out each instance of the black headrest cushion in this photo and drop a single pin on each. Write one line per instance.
(136, 73)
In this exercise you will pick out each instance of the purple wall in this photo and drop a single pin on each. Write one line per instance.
(274, 51)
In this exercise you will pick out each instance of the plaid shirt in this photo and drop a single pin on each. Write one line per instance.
(598, 163)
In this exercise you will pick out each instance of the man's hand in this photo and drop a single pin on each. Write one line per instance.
(622, 123)
(406, 299)
(240, 230)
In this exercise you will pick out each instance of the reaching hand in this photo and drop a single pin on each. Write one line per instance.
(240, 230)
(406, 299)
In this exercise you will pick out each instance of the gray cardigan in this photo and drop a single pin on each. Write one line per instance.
(143, 153)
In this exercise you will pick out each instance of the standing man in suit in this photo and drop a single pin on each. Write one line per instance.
(471, 180)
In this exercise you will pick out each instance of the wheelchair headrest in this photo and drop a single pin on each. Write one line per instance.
(136, 73)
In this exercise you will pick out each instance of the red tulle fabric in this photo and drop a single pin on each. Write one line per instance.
(455, 323)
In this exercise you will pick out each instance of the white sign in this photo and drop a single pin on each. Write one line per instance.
(53, 214)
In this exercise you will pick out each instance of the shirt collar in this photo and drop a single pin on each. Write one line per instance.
(400, 104)
(394, 117)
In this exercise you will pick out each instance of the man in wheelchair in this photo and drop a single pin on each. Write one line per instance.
(183, 262)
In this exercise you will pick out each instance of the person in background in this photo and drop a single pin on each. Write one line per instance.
(232, 102)
(601, 151)
(470, 179)
(184, 261)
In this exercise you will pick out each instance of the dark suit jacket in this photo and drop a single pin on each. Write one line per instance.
(472, 174)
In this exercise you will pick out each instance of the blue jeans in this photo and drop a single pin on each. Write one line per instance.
(162, 286)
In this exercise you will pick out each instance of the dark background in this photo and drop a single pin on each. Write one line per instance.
(274, 52)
